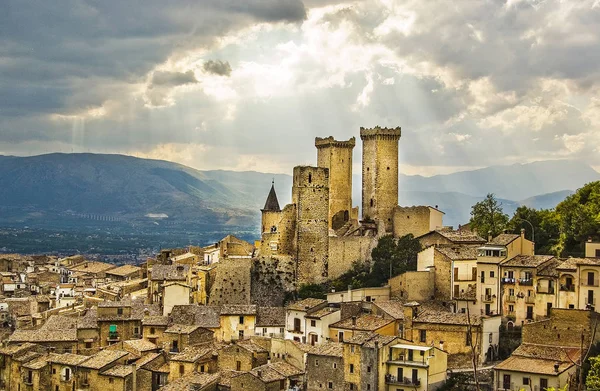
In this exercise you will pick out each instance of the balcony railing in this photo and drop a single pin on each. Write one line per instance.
(526, 281)
(405, 381)
(567, 288)
(510, 298)
(487, 298)
(530, 299)
(112, 336)
(508, 280)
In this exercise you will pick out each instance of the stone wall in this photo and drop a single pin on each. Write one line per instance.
(380, 173)
(345, 250)
(272, 277)
(320, 370)
(565, 326)
(336, 156)
(412, 286)
(413, 220)
(310, 193)
(231, 283)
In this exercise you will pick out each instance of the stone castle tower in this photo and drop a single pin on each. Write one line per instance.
(310, 194)
(336, 156)
(380, 174)
(271, 213)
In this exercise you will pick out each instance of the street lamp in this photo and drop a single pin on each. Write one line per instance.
(532, 229)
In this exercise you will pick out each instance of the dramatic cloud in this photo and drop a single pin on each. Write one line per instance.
(247, 85)
(221, 68)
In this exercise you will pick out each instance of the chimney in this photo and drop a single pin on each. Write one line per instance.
(134, 377)
(589, 239)
(354, 321)
(441, 345)
(489, 236)
(522, 233)
(556, 366)
(349, 292)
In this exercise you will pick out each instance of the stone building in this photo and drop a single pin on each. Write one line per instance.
(325, 367)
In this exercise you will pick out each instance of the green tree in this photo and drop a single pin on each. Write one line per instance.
(487, 216)
(316, 291)
(579, 216)
(592, 381)
(546, 226)
(392, 257)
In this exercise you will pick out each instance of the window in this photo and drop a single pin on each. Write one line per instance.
(352, 348)
(511, 274)
(241, 334)
(341, 336)
(281, 330)
(483, 276)
(296, 324)
(313, 323)
(66, 374)
(136, 330)
(265, 330)
(238, 365)
(351, 368)
(368, 386)
(368, 369)
(181, 369)
(241, 320)
(490, 339)
(525, 381)
(543, 384)
(334, 365)
(423, 335)
(352, 386)
(330, 385)
(316, 363)
(119, 311)
(152, 330)
(88, 345)
(111, 380)
(492, 274)
(202, 368)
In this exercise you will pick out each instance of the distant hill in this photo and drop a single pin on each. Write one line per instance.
(47, 189)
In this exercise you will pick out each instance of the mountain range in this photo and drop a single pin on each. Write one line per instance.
(47, 189)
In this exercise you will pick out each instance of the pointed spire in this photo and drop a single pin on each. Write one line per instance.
(272, 204)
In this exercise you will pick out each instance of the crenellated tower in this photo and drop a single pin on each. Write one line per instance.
(336, 156)
(380, 174)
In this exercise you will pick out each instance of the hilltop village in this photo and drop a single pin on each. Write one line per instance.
(227, 316)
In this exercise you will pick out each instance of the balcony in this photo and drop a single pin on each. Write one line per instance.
(405, 381)
(526, 281)
(296, 331)
(488, 298)
(567, 288)
(530, 299)
(113, 336)
(508, 280)
(510, 298)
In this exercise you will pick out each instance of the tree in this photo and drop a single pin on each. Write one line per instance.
(316, 291)
(393, 256)
(487, 216)
(592, 382)
(546, 226)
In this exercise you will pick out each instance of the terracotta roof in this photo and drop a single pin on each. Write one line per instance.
(233, 309)
(270, 316)
(141, 345)
(459, 252)
(335, 349)
(146, 358)
(89, 320)
(572, 263)
(42, 335)
(504, 239)
(193, 381)
(306, 304)
(251, 346)
(37, 363)
(124, 270)
(548, 352)
(286, 369)
(526, 260)
(114, 304)
(66, 358)
(393, 308)
(363, 322)
(226, 376)
(381, 340)
(459, 236)
(204, 316)
(103, 358)
(318, 314)
(58, 322)
(182, 328)
(548, 269)
(92, 267)
(14, 349)
(169, 272)
(267, 374)
(118, 371)
(156, 320)
(193, 353)
(532, 365)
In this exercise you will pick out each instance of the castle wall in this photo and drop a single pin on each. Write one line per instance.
(231, 284)
(415, 220)
(380, 173)
(270, 221)
(337, 157)
(310, 193)
(343, 251)
(272, 277)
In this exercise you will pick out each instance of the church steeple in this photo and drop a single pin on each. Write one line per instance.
(272, 204)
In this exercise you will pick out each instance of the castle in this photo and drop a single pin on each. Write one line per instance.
(321, 230)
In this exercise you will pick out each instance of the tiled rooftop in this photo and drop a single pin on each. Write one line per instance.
(504, 239)
(363, 322)
(527, 260)
(459, 252)
(169, 272)
(335, 349)
(232, 309)
(103, 358)
(125, 270)
(306, 304)
(270, 316)
(118, 371)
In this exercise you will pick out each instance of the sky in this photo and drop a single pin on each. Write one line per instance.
(247, 85)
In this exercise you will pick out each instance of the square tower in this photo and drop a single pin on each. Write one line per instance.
(310, 194)
(337, 157)
(380, 174)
